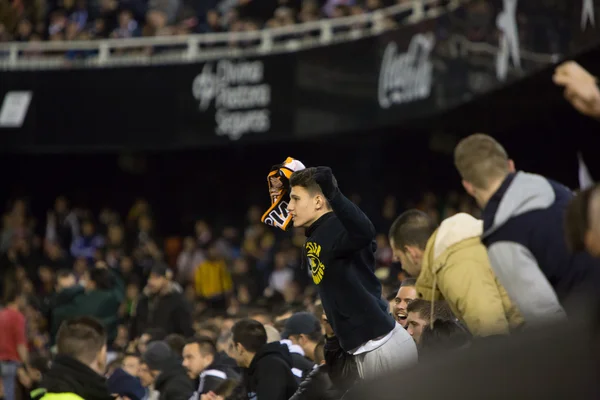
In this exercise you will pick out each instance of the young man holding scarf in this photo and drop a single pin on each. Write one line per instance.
(340, 248)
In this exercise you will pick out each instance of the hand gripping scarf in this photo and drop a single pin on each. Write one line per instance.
(279, 190)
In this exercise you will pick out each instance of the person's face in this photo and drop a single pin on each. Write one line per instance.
(409, 259)
(115, 233)
(60, 205)
(303, 207)
(145, 375)
(131, 365)
(143, 343)
(405, 295)
(87, 229)
(238, 353)
(132, 291)
(156, 283)
(65, 282)
(415, 325)
(193, 360)
(45, 274)
(144, 223)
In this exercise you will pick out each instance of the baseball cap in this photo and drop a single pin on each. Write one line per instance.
(302, 323)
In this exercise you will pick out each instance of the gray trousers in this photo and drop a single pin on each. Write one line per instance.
(400, 351)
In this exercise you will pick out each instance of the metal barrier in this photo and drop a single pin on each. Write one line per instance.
(203, 47)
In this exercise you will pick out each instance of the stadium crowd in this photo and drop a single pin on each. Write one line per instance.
(101, 308)
(57, 20)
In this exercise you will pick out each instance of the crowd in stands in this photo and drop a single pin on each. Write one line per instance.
(58, 20)
(77, 263)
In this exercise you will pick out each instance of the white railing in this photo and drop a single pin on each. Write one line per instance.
(201, 47)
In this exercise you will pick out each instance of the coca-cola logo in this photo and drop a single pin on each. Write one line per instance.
(406, 77)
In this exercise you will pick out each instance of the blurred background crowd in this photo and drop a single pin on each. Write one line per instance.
(75, 261)
(57, 20)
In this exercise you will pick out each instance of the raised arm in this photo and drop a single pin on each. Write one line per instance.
(359, 228)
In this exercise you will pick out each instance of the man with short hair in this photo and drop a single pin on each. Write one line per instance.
(340, 248)
(77, 370)
(451, 263)
(582, 223)
(523, 216)
(420, 314)
(13, 339)
(406, 294)
(163, 305)
(201, 361)
(268, 374)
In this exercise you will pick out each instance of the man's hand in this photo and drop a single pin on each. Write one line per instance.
(325, 179)
(581, 89)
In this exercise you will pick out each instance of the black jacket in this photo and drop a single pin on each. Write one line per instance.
(340, 247)
(301, 366)
(174, 384)
(269, 376)
(214, 375)
(317, 386)
(170, 312)
(67, 375)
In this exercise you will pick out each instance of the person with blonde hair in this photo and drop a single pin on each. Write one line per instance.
(523, 230)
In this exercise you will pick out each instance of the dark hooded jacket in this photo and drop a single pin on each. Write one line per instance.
(211, 379)
(269, 376)
(170, 312)
(67, 375)
(173, 383)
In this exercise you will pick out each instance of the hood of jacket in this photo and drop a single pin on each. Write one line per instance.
(519, 193)
(67, 375)
(274, 349)
(454, 234)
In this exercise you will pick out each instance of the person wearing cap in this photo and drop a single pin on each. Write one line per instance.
(170, 377)
(301, 333)
(162, 305)
(304, 329)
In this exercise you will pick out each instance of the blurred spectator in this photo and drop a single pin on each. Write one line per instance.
(213, 280)
(13, 340)
(170, 378)
(86, 245)
(78, 368)
(187, 261)
(162, 306)
(125, 385)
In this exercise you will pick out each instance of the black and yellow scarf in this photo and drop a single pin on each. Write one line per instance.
(278, 180)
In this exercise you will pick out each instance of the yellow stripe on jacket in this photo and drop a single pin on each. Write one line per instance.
(61, 396)
(212, 279)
